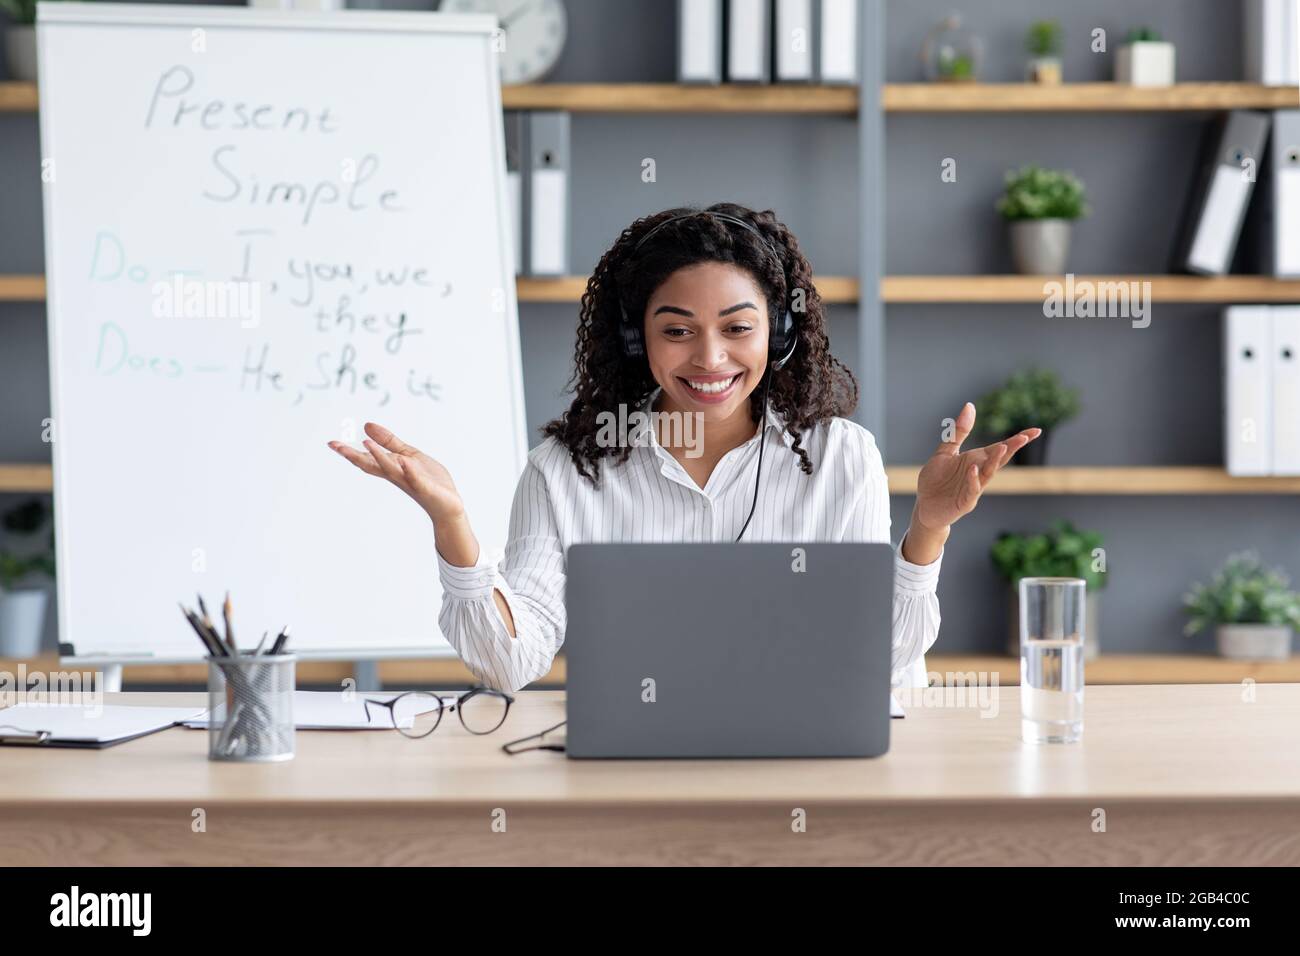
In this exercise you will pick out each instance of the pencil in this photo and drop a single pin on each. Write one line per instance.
(198, 629)
(281, 639)
(230, 631)
(258, 650)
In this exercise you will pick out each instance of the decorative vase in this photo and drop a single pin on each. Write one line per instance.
(22, 621)
(1040, 246)
(1091, 625)
(1253, 642)
(1044, 69)
(1145, 64)
(951, 54)
(20, 51)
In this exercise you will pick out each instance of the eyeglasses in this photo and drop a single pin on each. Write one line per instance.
(481, 710)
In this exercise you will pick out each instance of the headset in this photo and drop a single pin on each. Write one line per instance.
(783, 336)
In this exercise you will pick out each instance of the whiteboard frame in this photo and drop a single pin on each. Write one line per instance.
(380, 21)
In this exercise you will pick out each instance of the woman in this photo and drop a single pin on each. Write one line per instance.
(706, 318)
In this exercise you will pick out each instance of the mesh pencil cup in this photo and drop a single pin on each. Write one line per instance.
(250, 707)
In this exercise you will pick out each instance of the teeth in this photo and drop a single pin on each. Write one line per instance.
(713, 388)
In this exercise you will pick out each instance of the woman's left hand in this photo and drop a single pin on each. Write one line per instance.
(951, 482)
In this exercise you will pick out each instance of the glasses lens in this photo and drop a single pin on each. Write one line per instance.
(484, 712)
(416, 713)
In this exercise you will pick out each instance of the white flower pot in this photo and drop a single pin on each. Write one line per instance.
(22, 621)
(1145, 64)
(1040, 246)
(1045, 70)
(20, 51)
(1254, 642)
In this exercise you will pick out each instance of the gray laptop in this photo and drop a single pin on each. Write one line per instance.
(728, 650)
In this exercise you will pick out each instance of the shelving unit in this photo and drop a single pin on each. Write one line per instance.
(843, 100)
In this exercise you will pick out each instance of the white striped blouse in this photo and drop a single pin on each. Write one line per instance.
(650, 497)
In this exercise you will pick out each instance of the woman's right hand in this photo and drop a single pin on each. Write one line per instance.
(427, 482)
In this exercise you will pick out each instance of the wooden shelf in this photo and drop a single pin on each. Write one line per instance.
(843, 100)
(1133, 668)
(833, 289)
(1083, 97)
(19, 288)
(18, 97)
(21, 478)
(1017, 288)
(677, 98)
(1173, 480)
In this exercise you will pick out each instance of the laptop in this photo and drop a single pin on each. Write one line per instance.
(728, 650)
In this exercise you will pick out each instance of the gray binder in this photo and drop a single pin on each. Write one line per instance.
(790, 63)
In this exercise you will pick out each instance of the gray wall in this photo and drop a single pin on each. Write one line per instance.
(1150, 396)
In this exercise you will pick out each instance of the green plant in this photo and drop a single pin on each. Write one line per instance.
(1044, 38)
(1032, 192)
(954, 66)
(1142, 35)
(1243, 591)
(25, 519)
(1030, 397)
(1061, 552)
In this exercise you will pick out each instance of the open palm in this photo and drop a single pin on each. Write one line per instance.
(951, 482)
(427, 481)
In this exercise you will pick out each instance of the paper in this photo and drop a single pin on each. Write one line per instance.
(330, 710)
(90, 725)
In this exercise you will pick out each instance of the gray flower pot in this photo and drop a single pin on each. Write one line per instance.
(1254, 642)
(20, 51)
(1040, 246)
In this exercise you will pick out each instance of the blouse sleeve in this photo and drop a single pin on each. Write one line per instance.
(916, 603)
(530, 577)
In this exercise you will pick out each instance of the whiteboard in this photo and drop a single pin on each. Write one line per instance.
(263, 229)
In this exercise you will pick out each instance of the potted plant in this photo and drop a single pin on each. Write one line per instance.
(22, 609)
(1030, 398)
(1043, 42)
(1040, 205)
(1143, 59)
(1252, 608)
(1061, 552)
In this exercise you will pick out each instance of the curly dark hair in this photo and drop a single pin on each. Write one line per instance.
(812, 387)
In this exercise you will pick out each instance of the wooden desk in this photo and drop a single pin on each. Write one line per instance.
(1186, 774)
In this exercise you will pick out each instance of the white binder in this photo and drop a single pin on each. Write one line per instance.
(839, 41)
(548, 193)
(1285, 193)
(1247, 390)
(794, 41)
(748, 45)
(1286, 389)
(1264, 30)
(699, 41)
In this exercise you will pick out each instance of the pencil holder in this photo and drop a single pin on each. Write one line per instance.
(250, 707)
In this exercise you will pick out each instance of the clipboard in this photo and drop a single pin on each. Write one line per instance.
(84, 727)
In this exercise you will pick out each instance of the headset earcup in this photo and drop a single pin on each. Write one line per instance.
(633, 344)
(782, 342)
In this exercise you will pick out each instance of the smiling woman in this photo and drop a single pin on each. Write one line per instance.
(712, 316)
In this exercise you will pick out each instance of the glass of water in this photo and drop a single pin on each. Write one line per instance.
(1052, 629)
